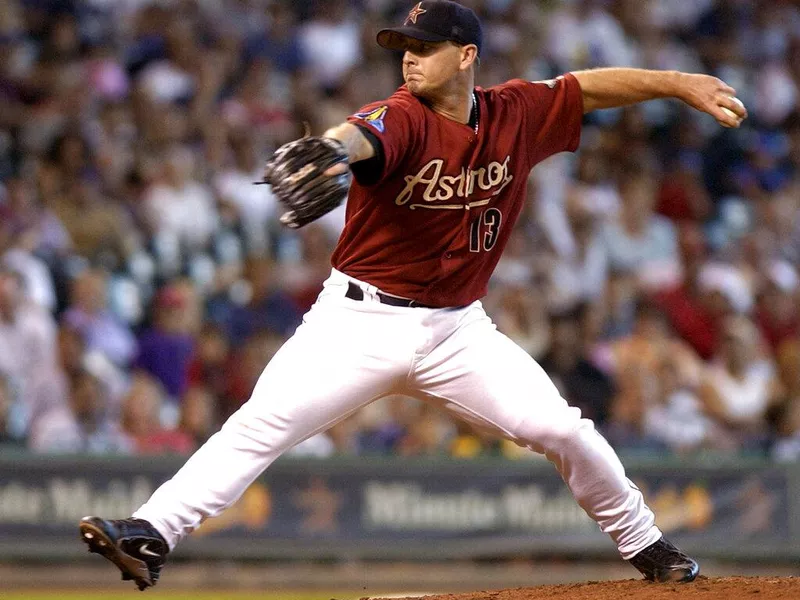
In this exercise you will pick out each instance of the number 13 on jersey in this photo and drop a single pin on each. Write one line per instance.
(484, 230)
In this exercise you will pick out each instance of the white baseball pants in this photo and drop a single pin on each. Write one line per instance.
(348, 353)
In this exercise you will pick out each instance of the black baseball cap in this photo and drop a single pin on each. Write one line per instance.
(435, 21)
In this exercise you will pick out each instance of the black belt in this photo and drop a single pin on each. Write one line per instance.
(356, 293)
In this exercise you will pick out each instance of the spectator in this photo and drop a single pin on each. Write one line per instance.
(382, 424)
(639, 239)
(402, 425)
(522, 263)
(27, 334)
(690, 310)
(522, 317)
(8, 436)
(331, 42)
(51, 422)
(279, 43)
(682, 197)
(37, 280)
(210, 363)
(776, 311)
(787, 415)
(676, 418)
(71, 158)
(179, 209)
(581, 275)
(246, 367)
(594, 190)
(303, 280)
(264, 305)
(24, 244)
(775, 224)
(583, 34)
(581, 383)
(99, 432)
(198, 417)
(427, 434)
(87, 427)
(788, 367)
(261, 105)
(24, 215)
(141, 420)
(98, 226)
(726, 290)
(173, 77)
(618, 308)
(740, 387)
(254, 206)
(88, 313)
(116, 140)
(166, 348)
(638, 363)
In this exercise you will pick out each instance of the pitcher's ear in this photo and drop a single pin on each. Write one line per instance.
(469, 55)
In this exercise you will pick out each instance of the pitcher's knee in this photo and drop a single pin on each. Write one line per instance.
(263, 434)
(555, 435)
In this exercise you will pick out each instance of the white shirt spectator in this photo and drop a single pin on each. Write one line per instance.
(39, 287)
(27, 347)
(776, 93)
(332, 49)
(728, 281)
(595, 39)
(27, 342)
(551, 180)
(653, 255)
(677, 14)
(165, 82)
(188, 213)
(678, 421)
(745, 398)
(578, 278)
(256, 205)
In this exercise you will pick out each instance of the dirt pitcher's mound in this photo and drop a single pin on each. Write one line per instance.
(718, 588)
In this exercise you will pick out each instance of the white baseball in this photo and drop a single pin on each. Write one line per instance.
(730, 113)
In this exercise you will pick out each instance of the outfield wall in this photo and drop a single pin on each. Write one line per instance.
(406, 509)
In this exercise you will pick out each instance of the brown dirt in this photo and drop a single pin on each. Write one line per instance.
(705, 588)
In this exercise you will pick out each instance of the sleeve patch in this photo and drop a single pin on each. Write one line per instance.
(374, 117)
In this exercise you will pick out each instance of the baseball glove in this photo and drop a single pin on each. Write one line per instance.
(296, 173)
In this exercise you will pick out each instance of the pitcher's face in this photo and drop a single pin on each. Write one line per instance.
(429, 67)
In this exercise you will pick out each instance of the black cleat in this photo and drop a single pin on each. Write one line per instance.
(662, 562)
(133, 545)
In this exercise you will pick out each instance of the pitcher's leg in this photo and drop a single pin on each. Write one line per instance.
(252, 438)
(329, 369)
(485, 378)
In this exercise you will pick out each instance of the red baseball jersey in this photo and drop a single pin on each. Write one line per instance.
(434, 225)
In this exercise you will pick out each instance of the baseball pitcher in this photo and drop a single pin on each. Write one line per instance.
(435, 178)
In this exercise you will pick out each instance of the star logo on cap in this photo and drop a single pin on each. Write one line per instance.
(415, 13)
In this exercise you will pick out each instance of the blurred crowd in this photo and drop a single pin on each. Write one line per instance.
(145, 283)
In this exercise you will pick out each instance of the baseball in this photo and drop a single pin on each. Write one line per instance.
(730, 113)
